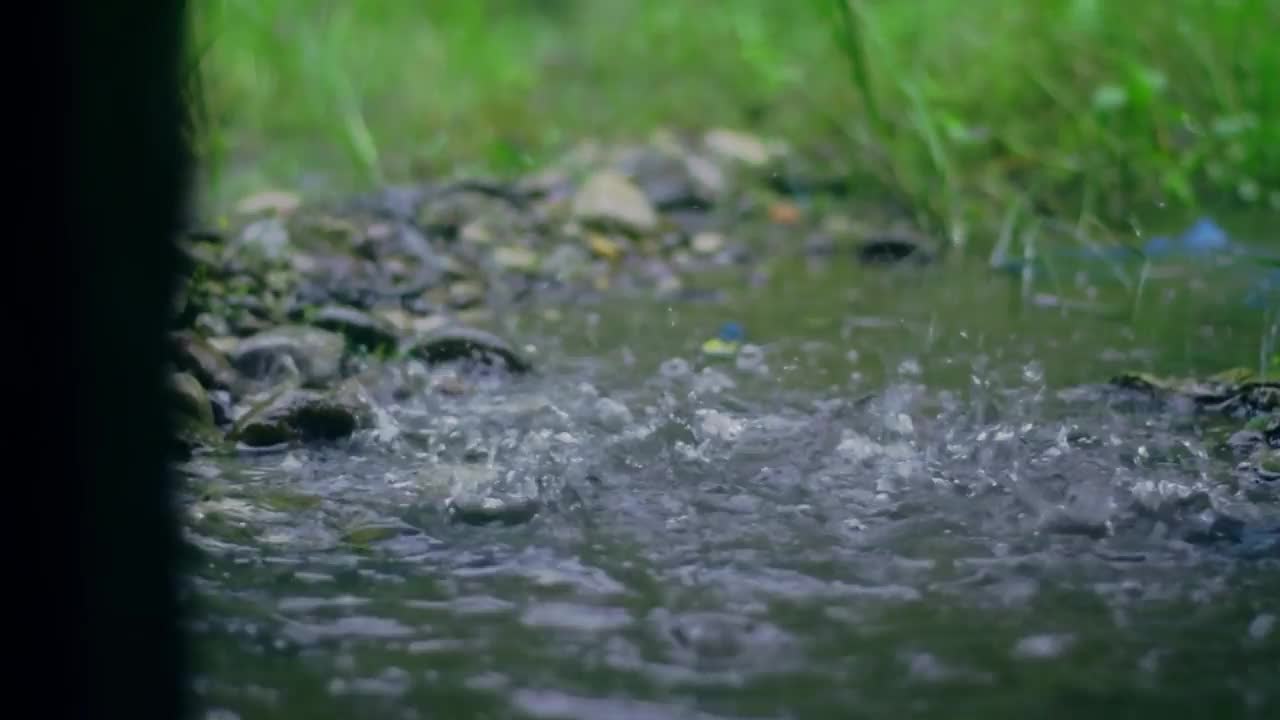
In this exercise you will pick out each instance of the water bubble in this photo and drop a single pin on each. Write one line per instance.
(909, 367)
(1033, 373)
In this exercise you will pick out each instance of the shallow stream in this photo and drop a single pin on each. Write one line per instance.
(910, 494)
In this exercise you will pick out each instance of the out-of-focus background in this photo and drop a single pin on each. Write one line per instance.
(967, 105)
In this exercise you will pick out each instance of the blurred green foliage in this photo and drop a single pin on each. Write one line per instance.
(969, 109)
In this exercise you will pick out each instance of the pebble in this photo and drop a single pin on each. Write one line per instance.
(707, 243)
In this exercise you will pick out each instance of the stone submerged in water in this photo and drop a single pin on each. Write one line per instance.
(315, 353)
(610, 199)
(460, 343)
(1235, 393)
(299, 415)
(889, 248)
(477, 509)
(360, 328)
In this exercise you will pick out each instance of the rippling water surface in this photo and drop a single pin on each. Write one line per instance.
(908, 497)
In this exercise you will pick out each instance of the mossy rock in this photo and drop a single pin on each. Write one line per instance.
(459, 343)
(299, 415)
(194, 355)
(1236, 392)
(191, 402)
(361, 329)
(316, 353)
(192, 415)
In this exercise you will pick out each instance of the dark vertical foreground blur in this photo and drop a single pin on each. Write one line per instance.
(128, 169)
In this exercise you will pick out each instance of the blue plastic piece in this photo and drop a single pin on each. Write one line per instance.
(1205, 236)
(731, 332)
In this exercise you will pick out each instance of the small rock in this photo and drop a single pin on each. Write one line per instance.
(379, 231)
(192, 402)
(707, 243)
(706, 175)
(465, 294)
(194, 421)
(225, 344)
(206, 363)
(485, 510)
(665, 180)
(476, 232)
(605, 247)
(267, 237)
(295, 415)
(737, 146)
(514, 257)
(316, 353)
(566, 262)
(1242, 440)
(211, 325)
(360, 328)
(608, 198)
(457, 342)
(891, 248)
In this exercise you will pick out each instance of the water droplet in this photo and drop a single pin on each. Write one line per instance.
(1033, 373)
